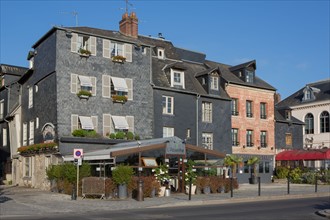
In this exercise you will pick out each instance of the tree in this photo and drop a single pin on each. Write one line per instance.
(253, 161)
(233, 161)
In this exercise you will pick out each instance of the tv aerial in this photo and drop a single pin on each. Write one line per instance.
(73, 13)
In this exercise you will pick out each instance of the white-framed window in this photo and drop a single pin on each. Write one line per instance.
(27, 166)
(177, 78)
(249, 76)
(263, 139)
(117, 49)
(30, 97)
(160, 53)
(168, 132)
(249, 138)
(263, 110)
(168, 105)
(24, 143)
(234, 137)
(214, 83)
(112, 48)
(2, 108)
(83, 122)
(119, 86)
(234, 106)
(207, 112)
(249, 109)
(83, 42)
(80, 82)
(4, 137)
(207, 140)
(31, 132)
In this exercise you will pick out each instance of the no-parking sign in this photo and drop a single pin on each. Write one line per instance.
(77, 153)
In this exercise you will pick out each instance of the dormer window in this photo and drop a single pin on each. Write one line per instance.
(177, 79)
(288, 115)
(160, 53)
(309, 93)
(249, 76)
(214, 83)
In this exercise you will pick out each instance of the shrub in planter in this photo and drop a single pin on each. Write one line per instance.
(282, 172)
(130, 136)
(120, 135)
(122, 176)
(112, 136)
(215, 183)
(137, 137)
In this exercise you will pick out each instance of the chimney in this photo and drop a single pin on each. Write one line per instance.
(277, 98)
(129, 25)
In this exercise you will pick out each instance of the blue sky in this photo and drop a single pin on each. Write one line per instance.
(288, 39)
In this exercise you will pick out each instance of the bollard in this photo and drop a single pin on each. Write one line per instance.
(231, 187)
(259, 188)
(316, 183)
(140, 190)
(190, 188)
(73, 194)
(288, 185)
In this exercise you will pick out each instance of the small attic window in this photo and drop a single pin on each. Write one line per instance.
(160, 53)
(203, 81)
(309, 93)
(288, 115)
(249, 76)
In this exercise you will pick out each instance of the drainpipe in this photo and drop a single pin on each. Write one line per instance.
(197, 124)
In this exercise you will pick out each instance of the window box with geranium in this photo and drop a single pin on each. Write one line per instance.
(84, 94)
(118, 59)
(84, 52)
(38, 148)
(119, 98)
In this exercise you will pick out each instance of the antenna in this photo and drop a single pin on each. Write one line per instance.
(128, 4)
(74, 13)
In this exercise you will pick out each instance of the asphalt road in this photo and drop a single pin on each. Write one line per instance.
(299, 209)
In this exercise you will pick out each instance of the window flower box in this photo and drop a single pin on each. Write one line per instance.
(84, 52)
(118, 59)
(38, 149)
(119, 98)
(84, 94)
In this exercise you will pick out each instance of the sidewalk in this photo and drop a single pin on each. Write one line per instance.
(24, 201)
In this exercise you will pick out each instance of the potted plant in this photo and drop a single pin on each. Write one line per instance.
(253, 162)
(162, 176)
(233, 161)
(118, 59)
(84, 94)
(84, 52)
(122, 176)
(190, 177)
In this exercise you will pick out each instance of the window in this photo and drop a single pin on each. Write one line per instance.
(188, 133)
(249, 75)
(24, 134)
(234, 106)
(117, 49)
(177, 79)
(249, 112)
(168, 105)
(261, 167)
(309, 124)
(2, 108)
(30, 97)
(267, 168)
(27, 166)
(263, 139)
(31, 133)
(160, 53)
(79, 82)
(83, 122)
(168, 132)
(288, 140)
(4, 137)
(324, 122)
(249, 138)
(37, 122)
(263, 114)
(288, 115)
(119, 87)
(214, 83)
(120, 123)
(307, 94)
(207, 112)
(85, 42)
(234, 136)
(207, 140)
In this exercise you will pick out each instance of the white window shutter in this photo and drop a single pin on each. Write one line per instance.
(106, 86)
(95, 123)
(24, 134)
(74, 123)
(106, 124)
(92, 41)
(31, 133)
(130, 122)
(106, 48)
(74, 40)
(74, 83)
(128, 52)
(129, 83)
(93, 80)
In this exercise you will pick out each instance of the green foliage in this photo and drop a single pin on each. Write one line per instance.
(68, 172)
(84, 133)
(112, 136)
(130, 135)
(85, 93)
(120, 135)
(137, 137)
(295, 175)
(84, 51)
(232, 161)
(309, 177)
(54, 172)
(282, 172)
(190, 173)
(122, 174)
(161, 173)
(253, 161)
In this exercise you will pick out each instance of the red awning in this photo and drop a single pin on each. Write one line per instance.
(322, 154)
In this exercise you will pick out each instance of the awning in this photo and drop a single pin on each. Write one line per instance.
(313, 154)
(86, 123)
(120, 122)
(85, 81)
(119, 84)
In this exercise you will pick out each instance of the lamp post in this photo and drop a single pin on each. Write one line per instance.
(140, 181)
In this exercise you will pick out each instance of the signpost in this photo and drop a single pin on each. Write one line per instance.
(77, 156)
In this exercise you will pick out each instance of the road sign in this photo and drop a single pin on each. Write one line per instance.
(77, 153)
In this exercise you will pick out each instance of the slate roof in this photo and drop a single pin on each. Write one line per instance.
(232, 78)
(12, 70)
(280, 117)
(296, 98)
